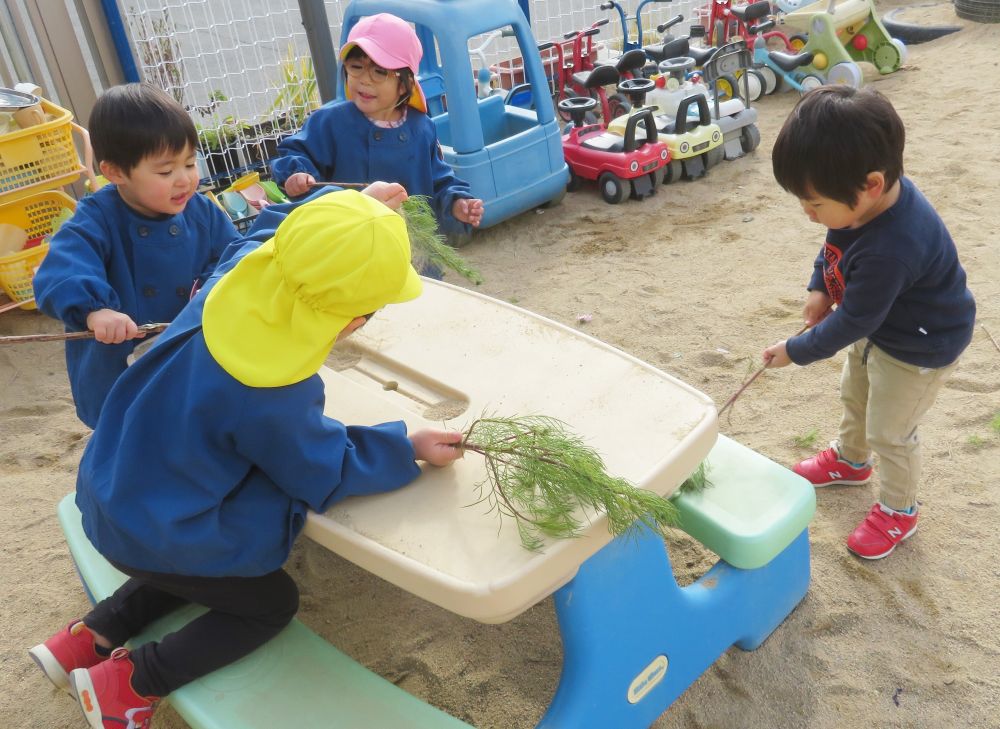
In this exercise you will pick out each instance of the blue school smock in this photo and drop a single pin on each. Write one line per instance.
(191, 472)
(107, 256)
(338, 143)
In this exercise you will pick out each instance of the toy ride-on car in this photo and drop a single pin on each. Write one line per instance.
(623, 164)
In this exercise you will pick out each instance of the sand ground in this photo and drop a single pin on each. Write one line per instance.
(695, 281)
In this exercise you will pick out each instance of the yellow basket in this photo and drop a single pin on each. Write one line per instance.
(43, 156)
(34, 214)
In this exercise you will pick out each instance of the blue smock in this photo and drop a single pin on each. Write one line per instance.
(191, 472)
(338, 143)
(107, 256)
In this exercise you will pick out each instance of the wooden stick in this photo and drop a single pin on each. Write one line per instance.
(16, 304)
(340, 184)
(66, 336)
(755, 375)
(990, 336)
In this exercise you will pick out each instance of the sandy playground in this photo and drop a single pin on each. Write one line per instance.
(696, 281)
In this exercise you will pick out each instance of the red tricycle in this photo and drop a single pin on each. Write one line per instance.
(727, 22)
(630, 163)
(581, 77)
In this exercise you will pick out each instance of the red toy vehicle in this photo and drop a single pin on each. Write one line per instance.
(621, 164)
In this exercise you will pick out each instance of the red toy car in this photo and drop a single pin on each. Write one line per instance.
(623, 165)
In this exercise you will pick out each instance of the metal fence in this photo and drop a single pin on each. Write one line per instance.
(241, 67)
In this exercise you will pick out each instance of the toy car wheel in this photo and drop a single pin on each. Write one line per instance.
(574, 183)
(613, 188)
(798, 41)
(847, 73)
(755, 79)
(618, 106)
(887, 58)
(714, 156)
(901, 47)
(749, 138)
(809, 83)
(726, 87)
(770, 79)
(557, 200)
(673, 171)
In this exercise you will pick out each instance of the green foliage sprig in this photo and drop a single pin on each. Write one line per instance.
(541, 475)
(427, 244)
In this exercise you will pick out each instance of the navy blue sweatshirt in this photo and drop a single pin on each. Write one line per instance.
(897, 281)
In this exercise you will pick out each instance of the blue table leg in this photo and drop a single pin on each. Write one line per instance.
(633, 640)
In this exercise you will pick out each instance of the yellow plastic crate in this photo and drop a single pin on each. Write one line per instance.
(41, 157)
(34, 214)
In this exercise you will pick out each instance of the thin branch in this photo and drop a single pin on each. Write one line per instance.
(755, 375)
(990, 336)
(66, 336)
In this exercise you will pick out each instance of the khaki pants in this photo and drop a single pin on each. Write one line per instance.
(883, 403)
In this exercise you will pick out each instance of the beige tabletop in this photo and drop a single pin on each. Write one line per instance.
(451, 356)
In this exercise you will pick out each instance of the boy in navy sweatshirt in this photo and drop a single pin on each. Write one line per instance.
(887, 284)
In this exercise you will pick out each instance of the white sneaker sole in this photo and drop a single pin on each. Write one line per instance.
(52, 669)
(890, 550)
(840, 483)
(83, 689)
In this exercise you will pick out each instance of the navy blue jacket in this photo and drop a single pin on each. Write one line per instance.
(191, 472)
(107, 256)
(338, 143)
(896, 281)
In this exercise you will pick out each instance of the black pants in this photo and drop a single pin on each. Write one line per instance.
(243, 614)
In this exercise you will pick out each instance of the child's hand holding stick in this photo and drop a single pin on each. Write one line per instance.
(775, 356)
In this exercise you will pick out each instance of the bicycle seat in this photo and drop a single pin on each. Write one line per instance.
(671, 49)
(790, 61)
(631, 61)
(600, 75)
(701, 55)
(753, 11)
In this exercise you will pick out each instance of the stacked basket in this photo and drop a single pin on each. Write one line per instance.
(34, 163)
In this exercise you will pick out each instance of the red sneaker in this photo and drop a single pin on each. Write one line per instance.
(880, 532)
(106, 695)
(826, 469)
(69, 649)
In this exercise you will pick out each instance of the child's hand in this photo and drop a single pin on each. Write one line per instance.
(391, 194)
(468, 211)
(818, 307)
(777, 355)
(437, 447)
(299, 184)
(112, 327)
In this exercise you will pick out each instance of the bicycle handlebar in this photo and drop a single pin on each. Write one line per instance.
(670, 23)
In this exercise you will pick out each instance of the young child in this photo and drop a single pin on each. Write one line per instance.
(887, 284)
(213, 446)
(133, 250)
(382, 132)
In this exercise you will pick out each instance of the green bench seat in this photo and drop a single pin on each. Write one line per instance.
(295, 680)
(753, 509)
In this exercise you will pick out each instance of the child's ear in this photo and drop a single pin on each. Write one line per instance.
(875, 184)
(113, 172)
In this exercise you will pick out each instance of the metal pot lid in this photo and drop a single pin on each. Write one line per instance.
(11, 100)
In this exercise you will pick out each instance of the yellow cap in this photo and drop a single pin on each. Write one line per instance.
(273, 319)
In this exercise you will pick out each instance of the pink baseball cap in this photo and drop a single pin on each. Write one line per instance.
(392, 44)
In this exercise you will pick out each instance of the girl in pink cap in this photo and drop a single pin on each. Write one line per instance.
(382, 131)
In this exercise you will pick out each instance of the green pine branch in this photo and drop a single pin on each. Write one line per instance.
(541, 475)
(427, 244)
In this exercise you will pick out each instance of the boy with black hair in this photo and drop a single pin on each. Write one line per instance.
(887, 284)
(134, 250)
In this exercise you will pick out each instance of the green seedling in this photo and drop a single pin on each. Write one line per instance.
(807, 440)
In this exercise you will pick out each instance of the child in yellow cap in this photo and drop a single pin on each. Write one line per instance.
(211, 449)
(381, 131)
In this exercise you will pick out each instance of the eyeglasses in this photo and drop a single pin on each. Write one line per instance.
(376, 74)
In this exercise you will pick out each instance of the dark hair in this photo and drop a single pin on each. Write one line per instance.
(834, 137)
(404, 75)
(132, 121)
